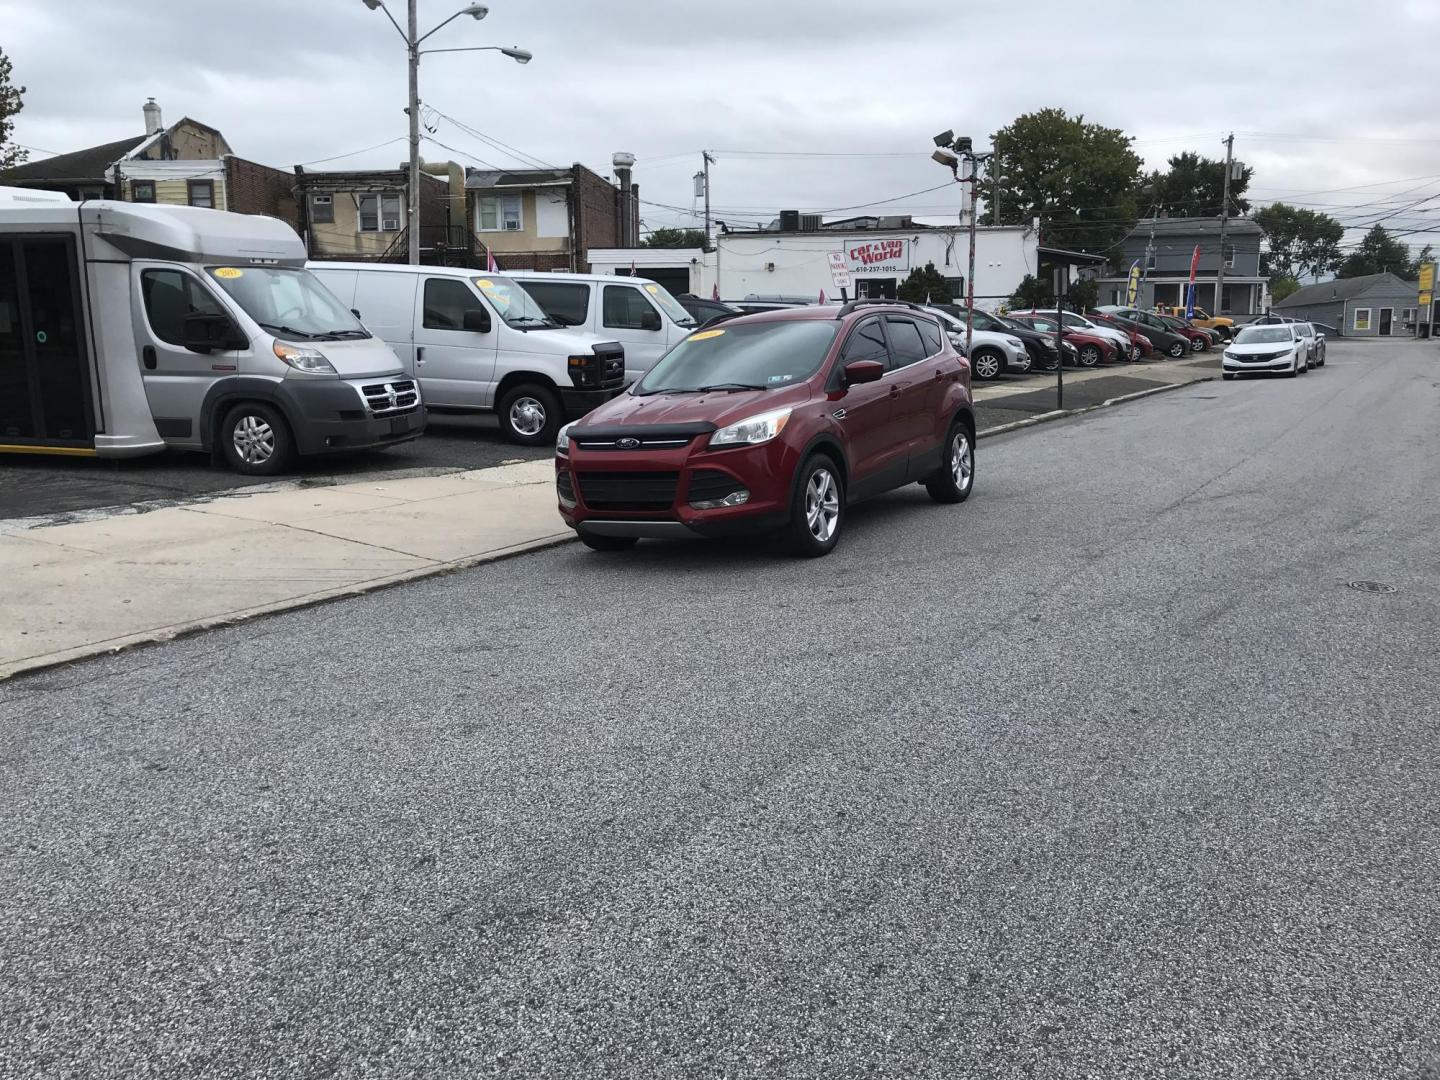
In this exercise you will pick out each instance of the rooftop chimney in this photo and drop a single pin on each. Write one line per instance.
(152, 117)
(629, 221)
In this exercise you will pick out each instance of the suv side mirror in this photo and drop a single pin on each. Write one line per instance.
(206, 331)
(477, 321)
(863, 371)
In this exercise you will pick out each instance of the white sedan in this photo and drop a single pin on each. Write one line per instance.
(1280, 347)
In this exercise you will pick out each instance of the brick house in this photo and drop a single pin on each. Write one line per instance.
(547, 219)
(361, 214)
(185, 163)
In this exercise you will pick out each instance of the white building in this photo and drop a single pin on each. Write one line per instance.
(796, 263)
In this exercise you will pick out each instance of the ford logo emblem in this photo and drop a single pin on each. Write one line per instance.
(627, 444)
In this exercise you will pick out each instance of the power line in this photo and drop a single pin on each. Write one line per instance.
(530, 161)
(353, 153)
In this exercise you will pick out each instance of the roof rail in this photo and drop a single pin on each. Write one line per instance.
(853, 305)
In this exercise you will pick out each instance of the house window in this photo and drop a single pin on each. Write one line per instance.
(202, 193)
(500, 213)
(1408, 316)
(1362, 318)
(1229, 257)
(322, 209)
(142, 191)
(379, 213)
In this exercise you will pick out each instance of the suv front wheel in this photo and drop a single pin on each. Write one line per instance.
(817, 510)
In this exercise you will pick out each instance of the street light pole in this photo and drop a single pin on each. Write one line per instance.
(970, 271)
(412, 197)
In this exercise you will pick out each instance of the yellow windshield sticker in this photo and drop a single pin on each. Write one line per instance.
(485, 283)
(652, 288)
(229, 273)
(706, 335)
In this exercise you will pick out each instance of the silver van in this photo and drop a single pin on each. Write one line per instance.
(478, 342)
(128, 328)
(638, 313)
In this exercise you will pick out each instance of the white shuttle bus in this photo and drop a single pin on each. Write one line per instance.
(128, 328)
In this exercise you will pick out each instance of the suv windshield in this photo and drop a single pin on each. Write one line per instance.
(1259, 335)
(759, 356)
(660, 295)
(289, 303)
(516, 306)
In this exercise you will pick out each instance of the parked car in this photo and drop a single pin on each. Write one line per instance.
(775, 422)
(1196, 339)
(1313, 343)
(1204, 320)
(1266, 347)
(1129, 345)
(1040, 349)
(641, 315)
(793, 299)
(479, 343)
(1165, 340)
(753, 306)
(702, 310)
(1091, 349)
(992, 354)
(152, 327)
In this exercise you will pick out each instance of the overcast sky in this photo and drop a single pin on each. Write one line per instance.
(1322, 94)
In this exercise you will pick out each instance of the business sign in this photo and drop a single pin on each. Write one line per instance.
(1427, 277)
(878, 256)
(839, 270)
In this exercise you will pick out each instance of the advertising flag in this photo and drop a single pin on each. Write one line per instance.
(715, 293)
(491, 267)
(822, 296)
(1190, 290)
(1132, 289)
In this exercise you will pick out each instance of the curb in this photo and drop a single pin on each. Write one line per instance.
(1060, 414)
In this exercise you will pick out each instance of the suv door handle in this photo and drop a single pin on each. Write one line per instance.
(148, 355)
(895, 389)
(939, 375)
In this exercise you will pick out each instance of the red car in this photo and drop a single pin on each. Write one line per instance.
(1091, 349)
(773, 422)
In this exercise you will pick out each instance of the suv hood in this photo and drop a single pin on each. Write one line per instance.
(718, 407)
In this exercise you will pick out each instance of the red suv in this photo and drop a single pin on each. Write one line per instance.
(773, 422)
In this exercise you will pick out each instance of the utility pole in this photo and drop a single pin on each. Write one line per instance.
(970, 273)
(1219, 308)
(412, 194)
(708, 159)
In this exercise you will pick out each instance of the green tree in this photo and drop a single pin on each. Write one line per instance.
(1377, 253)
(925, 285)
(1194, 186)
(676, 238)
(1033, 293)
(1302, 242)
(11, 102)
(1080, 179)
(1427, 254)
(1281, 286)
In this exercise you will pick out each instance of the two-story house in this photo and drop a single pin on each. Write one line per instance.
(550, 219)
(185, 163)
(361, 214)
(1164, 248)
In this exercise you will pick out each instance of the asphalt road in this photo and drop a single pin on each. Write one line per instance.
(1105, 773)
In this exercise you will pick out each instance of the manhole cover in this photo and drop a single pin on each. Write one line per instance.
(1372, 586)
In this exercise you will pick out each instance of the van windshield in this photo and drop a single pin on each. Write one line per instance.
(668, 304)
(288, 302)
(516, 306)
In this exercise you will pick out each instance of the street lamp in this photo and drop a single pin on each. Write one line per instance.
(949, 147)
(413, 40)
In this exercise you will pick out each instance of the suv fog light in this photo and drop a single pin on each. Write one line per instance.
(735, 498)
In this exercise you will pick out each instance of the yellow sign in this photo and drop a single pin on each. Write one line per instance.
(229, 273)
(706, 335)
(1132, 288)
(1425, 299)
(1427, 278)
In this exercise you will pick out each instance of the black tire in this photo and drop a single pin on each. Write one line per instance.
(1176, 350)
(987, 364)
(255, 440)
(1089, 355)
(1136, 353)
(1198, 344)
(596, 542)
(529, 415)
(800, 537)
(944, 485)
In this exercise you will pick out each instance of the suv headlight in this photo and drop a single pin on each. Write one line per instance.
(562, 438)
(304, 359)
(760, 428)
(1015, 343)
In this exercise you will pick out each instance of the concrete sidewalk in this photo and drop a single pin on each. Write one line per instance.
(118, 578)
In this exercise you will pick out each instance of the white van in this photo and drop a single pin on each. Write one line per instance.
(128, 328)
(478, 341)
(639, 314)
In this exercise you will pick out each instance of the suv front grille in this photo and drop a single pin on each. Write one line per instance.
(390, 398)
(628, 490)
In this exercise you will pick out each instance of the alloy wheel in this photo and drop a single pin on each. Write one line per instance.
(986, 366)
(822, 505)
(527, 416)
(254, 440)
(962, 461)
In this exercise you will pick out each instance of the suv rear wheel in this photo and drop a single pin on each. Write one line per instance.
(987, 364)
(954, 480)
(817, 510)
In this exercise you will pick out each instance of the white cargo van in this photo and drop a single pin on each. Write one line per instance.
(478, 341)
(640, 314)
(128, 328)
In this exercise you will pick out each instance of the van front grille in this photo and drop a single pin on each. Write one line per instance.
(390, 398)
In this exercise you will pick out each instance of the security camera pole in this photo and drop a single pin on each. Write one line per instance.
(413, 40)
(947, 142)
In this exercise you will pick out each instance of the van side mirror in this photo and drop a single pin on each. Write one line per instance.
(355, 312)
(205, 332)
(650, 320)
(476, 321)
(863, 371)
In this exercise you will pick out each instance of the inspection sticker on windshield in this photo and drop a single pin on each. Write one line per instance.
(485, 283)
(652, 288)
(706, 335)
(228, 272)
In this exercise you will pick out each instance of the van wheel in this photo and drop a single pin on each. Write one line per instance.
(530, 415)
(817, 510)
(255, 440)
